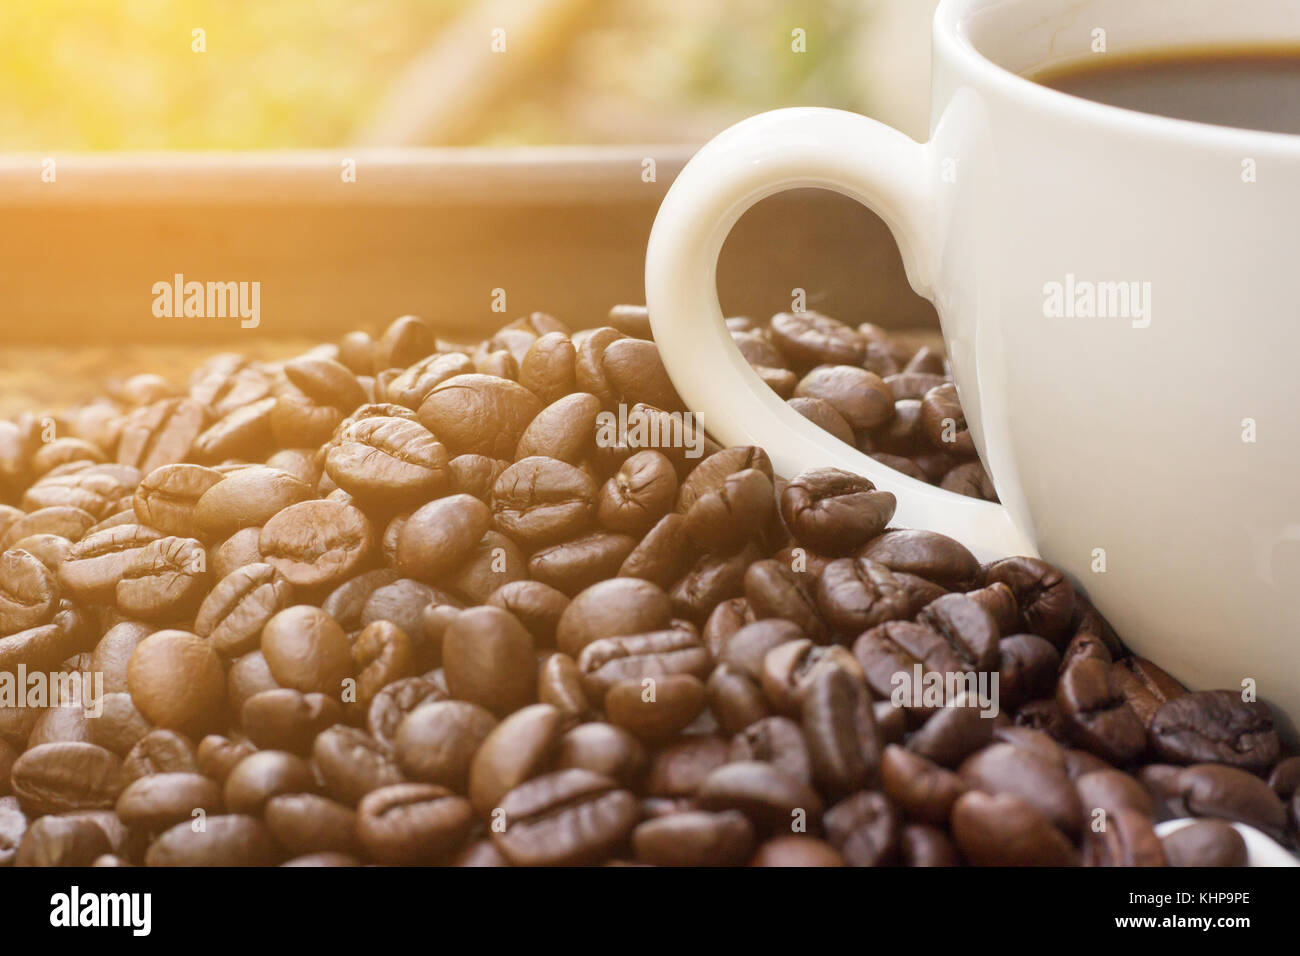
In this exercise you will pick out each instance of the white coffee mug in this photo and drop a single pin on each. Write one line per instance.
(1154, 453)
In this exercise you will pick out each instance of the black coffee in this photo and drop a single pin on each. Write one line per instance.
(1246, 88)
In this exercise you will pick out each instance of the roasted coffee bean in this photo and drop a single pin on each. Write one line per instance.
(489, 659)
(242, 547)
(13, 824)
(695, 839)
(922, 845)
(1205, 843)
(588, 369)
(966, 628)
(1006, 830)
(159, 751)
(747, 649)
(160, 433)
(474, 475)
(514, 751)
(29, 592)
(381, 654)
(494, 561)
(217, 755)
(651, 655)
(306, 823)
(664, 554)
(306, 650)
(1129, 839)
(439, 536)
(547, 368)
(912, 385)
(240, 605)
(824, 415)
(774, 740)
(1215, 790)
(176, 681)
(248, 675)
(604, 749)
(710, 474)
(1027, 669)
(953, 732)
(263, 775)
(1037, 775)
(856, 594)
(165, 581)
(774, 591)
(723, 519)
(1145, 686)
(567, 818)
(97, 562)
(796, 851)
(864, 829)
(326, 381)
(563, 430)
(119, 726)
(317, 544)
(436, 742)
(297, 418)
(113, 652)
(61, 841)
(226, 840)
(943, 421)
(771, 798)
(1000, 602)
(809, 338)
(247, 498)
(388, 461)
(926, 554)
(59, 724)
(410, 387)
(285, 719)
(920, 787)
(633, 368)
(1043, 594)
(479, 414)
(242, 433)
(1096, 715)
(167, 498)
(655, 709)
(1285, 778)
(639, 494)
(897, 648)
(790, 669)
(677, 769)
(861, 397)
(1111, 790)
(1216, 726)
(391, 705)
(559, 683)
(352, 764)
(840, 729)
(65, 776)
(539, 501)
(571, 566)
(735, 699)
(162, 800)
(612, 608)
(537, 606)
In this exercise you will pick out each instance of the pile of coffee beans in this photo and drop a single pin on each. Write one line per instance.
(871, 390)
(403, 601)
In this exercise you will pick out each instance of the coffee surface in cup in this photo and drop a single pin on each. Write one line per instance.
(1248, 88)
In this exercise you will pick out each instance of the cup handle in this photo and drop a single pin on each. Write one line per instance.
(763, 155)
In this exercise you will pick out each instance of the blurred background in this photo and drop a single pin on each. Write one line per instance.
(135, 75)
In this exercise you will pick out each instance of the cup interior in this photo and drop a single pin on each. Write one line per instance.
(1025, 36)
